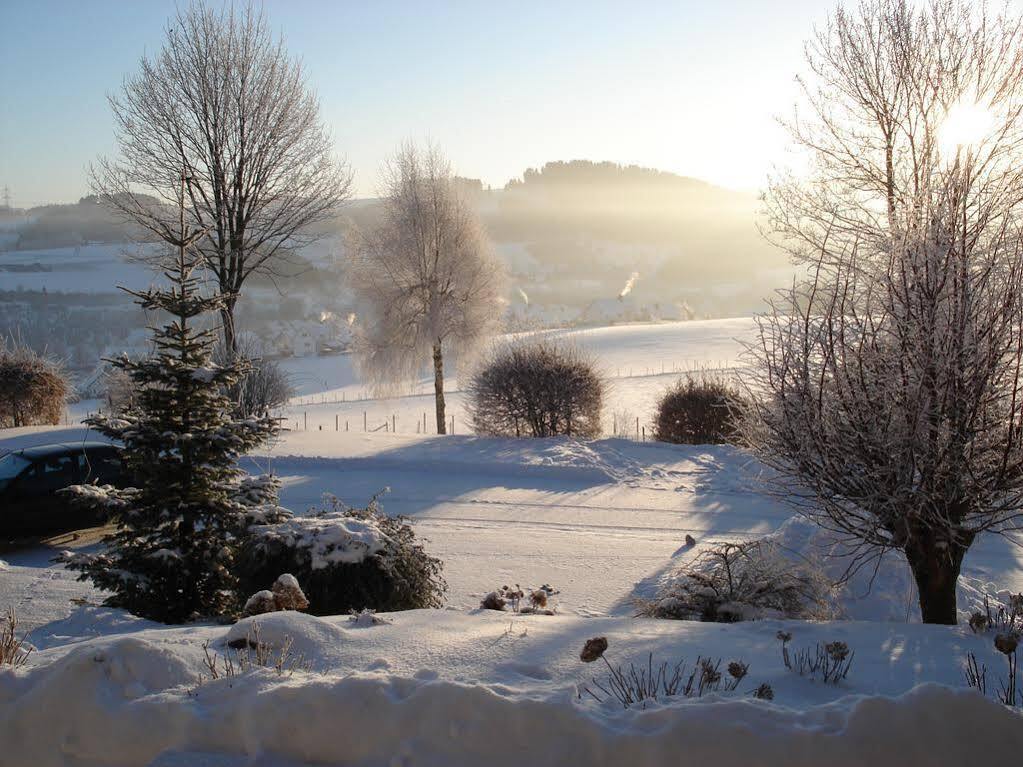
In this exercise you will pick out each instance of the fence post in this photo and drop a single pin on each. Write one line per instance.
(452, 424)
(637, 428)
(305, 421)
(644, 434)
(394, 422)
(337, 418)
(365, 421)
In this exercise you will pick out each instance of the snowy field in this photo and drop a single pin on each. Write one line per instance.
(604, 522)
(86, 269)
(638, 361)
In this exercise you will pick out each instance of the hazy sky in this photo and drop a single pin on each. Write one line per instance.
(686, 87)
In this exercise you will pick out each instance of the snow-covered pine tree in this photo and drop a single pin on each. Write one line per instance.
(171, 557)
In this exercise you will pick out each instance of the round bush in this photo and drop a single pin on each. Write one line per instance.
(697, 412)
(33, 389)
(345, 560)
(536, 388)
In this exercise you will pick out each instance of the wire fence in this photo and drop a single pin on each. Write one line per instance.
(691, 367)
(622, 424)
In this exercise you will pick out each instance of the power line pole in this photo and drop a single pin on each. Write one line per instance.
(7, 197)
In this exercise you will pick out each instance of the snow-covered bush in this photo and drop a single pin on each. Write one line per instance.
(696, 412)
(33, 388)
(536, 389)
(346, 559)
(743, 581)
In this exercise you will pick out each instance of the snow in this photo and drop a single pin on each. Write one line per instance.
(85, 269)
(330, 538)
(463, 688)
(638, 361)
(603, 522)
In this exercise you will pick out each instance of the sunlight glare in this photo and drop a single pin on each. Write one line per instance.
(965, 125)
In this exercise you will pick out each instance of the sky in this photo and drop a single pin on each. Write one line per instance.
(688, 87)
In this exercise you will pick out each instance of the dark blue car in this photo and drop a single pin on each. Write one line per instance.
(30, 478)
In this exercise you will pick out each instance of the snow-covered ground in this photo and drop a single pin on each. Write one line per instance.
(638, 361)
(85, 269)
(604, 522)
(449, 688)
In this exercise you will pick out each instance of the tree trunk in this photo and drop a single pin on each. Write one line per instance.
(438, 386)
(936, 572)
(227, 324)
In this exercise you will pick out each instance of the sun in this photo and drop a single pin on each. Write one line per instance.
(965, 125)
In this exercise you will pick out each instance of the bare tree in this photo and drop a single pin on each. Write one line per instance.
(889, 380)
(223, 100)
(426, 276)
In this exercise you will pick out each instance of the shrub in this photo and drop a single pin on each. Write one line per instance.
(346, 559)
(536, 388)
(13, 649)
(830, 661)
(743, 581)
(697, 412)
(665, 680)
(33, 388)
(263, 388)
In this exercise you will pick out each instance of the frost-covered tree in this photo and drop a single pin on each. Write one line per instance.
(171, 557)
(223, 99)
(888, 386)
(425, 275)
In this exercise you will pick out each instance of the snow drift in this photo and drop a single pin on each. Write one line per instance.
(138, 699)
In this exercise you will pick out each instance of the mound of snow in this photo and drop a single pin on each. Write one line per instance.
(316, 640)
(87, 622)
(133, 702)
(467, 689)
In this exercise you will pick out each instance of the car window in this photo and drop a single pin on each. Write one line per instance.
(48, 474)
(11, 465)
(101, 466)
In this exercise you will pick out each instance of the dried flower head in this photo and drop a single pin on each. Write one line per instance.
(837, 651)
(493, 601)
(708, 672)
(538, 598)
(784, 636)
(593, 649)
(1006, 643)
(764, 692)
(737, 669)
(978, 623)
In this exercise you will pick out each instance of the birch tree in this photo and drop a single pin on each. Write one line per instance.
(223, 99)
(426, 276)
(887, 391)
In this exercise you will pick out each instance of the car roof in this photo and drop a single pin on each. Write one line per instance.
(60, 448)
